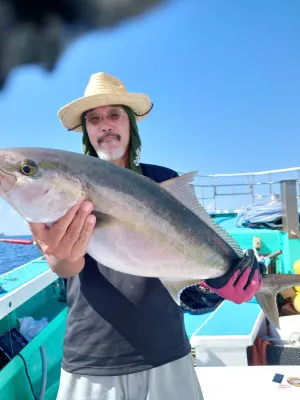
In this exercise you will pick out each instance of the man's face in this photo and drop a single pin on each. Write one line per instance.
(108, 128)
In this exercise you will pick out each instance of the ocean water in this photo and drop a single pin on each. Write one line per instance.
(15, 255)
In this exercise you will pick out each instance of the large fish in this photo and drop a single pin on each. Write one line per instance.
(143, 228)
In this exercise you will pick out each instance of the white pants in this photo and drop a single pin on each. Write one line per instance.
(176, 380)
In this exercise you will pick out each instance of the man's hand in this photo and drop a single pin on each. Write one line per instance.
(241, 282)
(65, 242)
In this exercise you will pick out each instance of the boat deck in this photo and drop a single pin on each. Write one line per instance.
(222, 337)
(22, 283)
(14, 279)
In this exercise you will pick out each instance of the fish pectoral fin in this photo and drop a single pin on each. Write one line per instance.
(175, 288)
(103, 219)
(181, 188)
(266, 297)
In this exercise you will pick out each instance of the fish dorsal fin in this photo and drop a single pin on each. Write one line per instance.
(181, 188)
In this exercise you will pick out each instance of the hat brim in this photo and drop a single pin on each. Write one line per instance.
(70, 114)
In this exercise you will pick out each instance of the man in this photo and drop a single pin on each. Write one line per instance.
(125, 335)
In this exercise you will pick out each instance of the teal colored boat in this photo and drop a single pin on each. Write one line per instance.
(30, 368)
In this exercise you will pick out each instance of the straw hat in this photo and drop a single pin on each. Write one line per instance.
(102, 90)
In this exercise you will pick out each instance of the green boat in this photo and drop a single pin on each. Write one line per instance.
(33, 305)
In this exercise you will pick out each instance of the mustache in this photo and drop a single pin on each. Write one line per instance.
(108, 134)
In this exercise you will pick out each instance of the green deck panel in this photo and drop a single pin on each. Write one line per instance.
(291, 249)
(13, 380)
(272, 241)
(43, 304)
(14, 383)
(20, 276)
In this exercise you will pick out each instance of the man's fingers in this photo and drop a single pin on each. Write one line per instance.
(68, 237)
(79, 248)
(74, 230)
(59, 228)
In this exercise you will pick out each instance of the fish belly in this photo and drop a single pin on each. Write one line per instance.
(122, 248)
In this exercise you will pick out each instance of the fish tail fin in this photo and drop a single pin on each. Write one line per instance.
(266, 297)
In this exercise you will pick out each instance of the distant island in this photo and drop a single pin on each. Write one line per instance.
(2, 234)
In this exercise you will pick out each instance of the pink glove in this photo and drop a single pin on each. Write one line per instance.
(241, 282)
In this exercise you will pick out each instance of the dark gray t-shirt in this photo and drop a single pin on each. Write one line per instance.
(118, 323)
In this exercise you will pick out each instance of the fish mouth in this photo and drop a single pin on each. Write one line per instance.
(7, 181)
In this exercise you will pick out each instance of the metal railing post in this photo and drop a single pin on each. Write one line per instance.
(290, 217)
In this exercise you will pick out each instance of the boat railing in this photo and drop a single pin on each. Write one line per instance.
(229, 192)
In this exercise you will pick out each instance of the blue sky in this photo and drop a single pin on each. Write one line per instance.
(223, 76)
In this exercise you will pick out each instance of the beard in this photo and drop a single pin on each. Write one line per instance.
(110, 154)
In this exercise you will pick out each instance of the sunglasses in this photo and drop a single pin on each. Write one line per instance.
(112, 114)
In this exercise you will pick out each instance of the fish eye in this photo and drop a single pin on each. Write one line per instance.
(28, 167)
